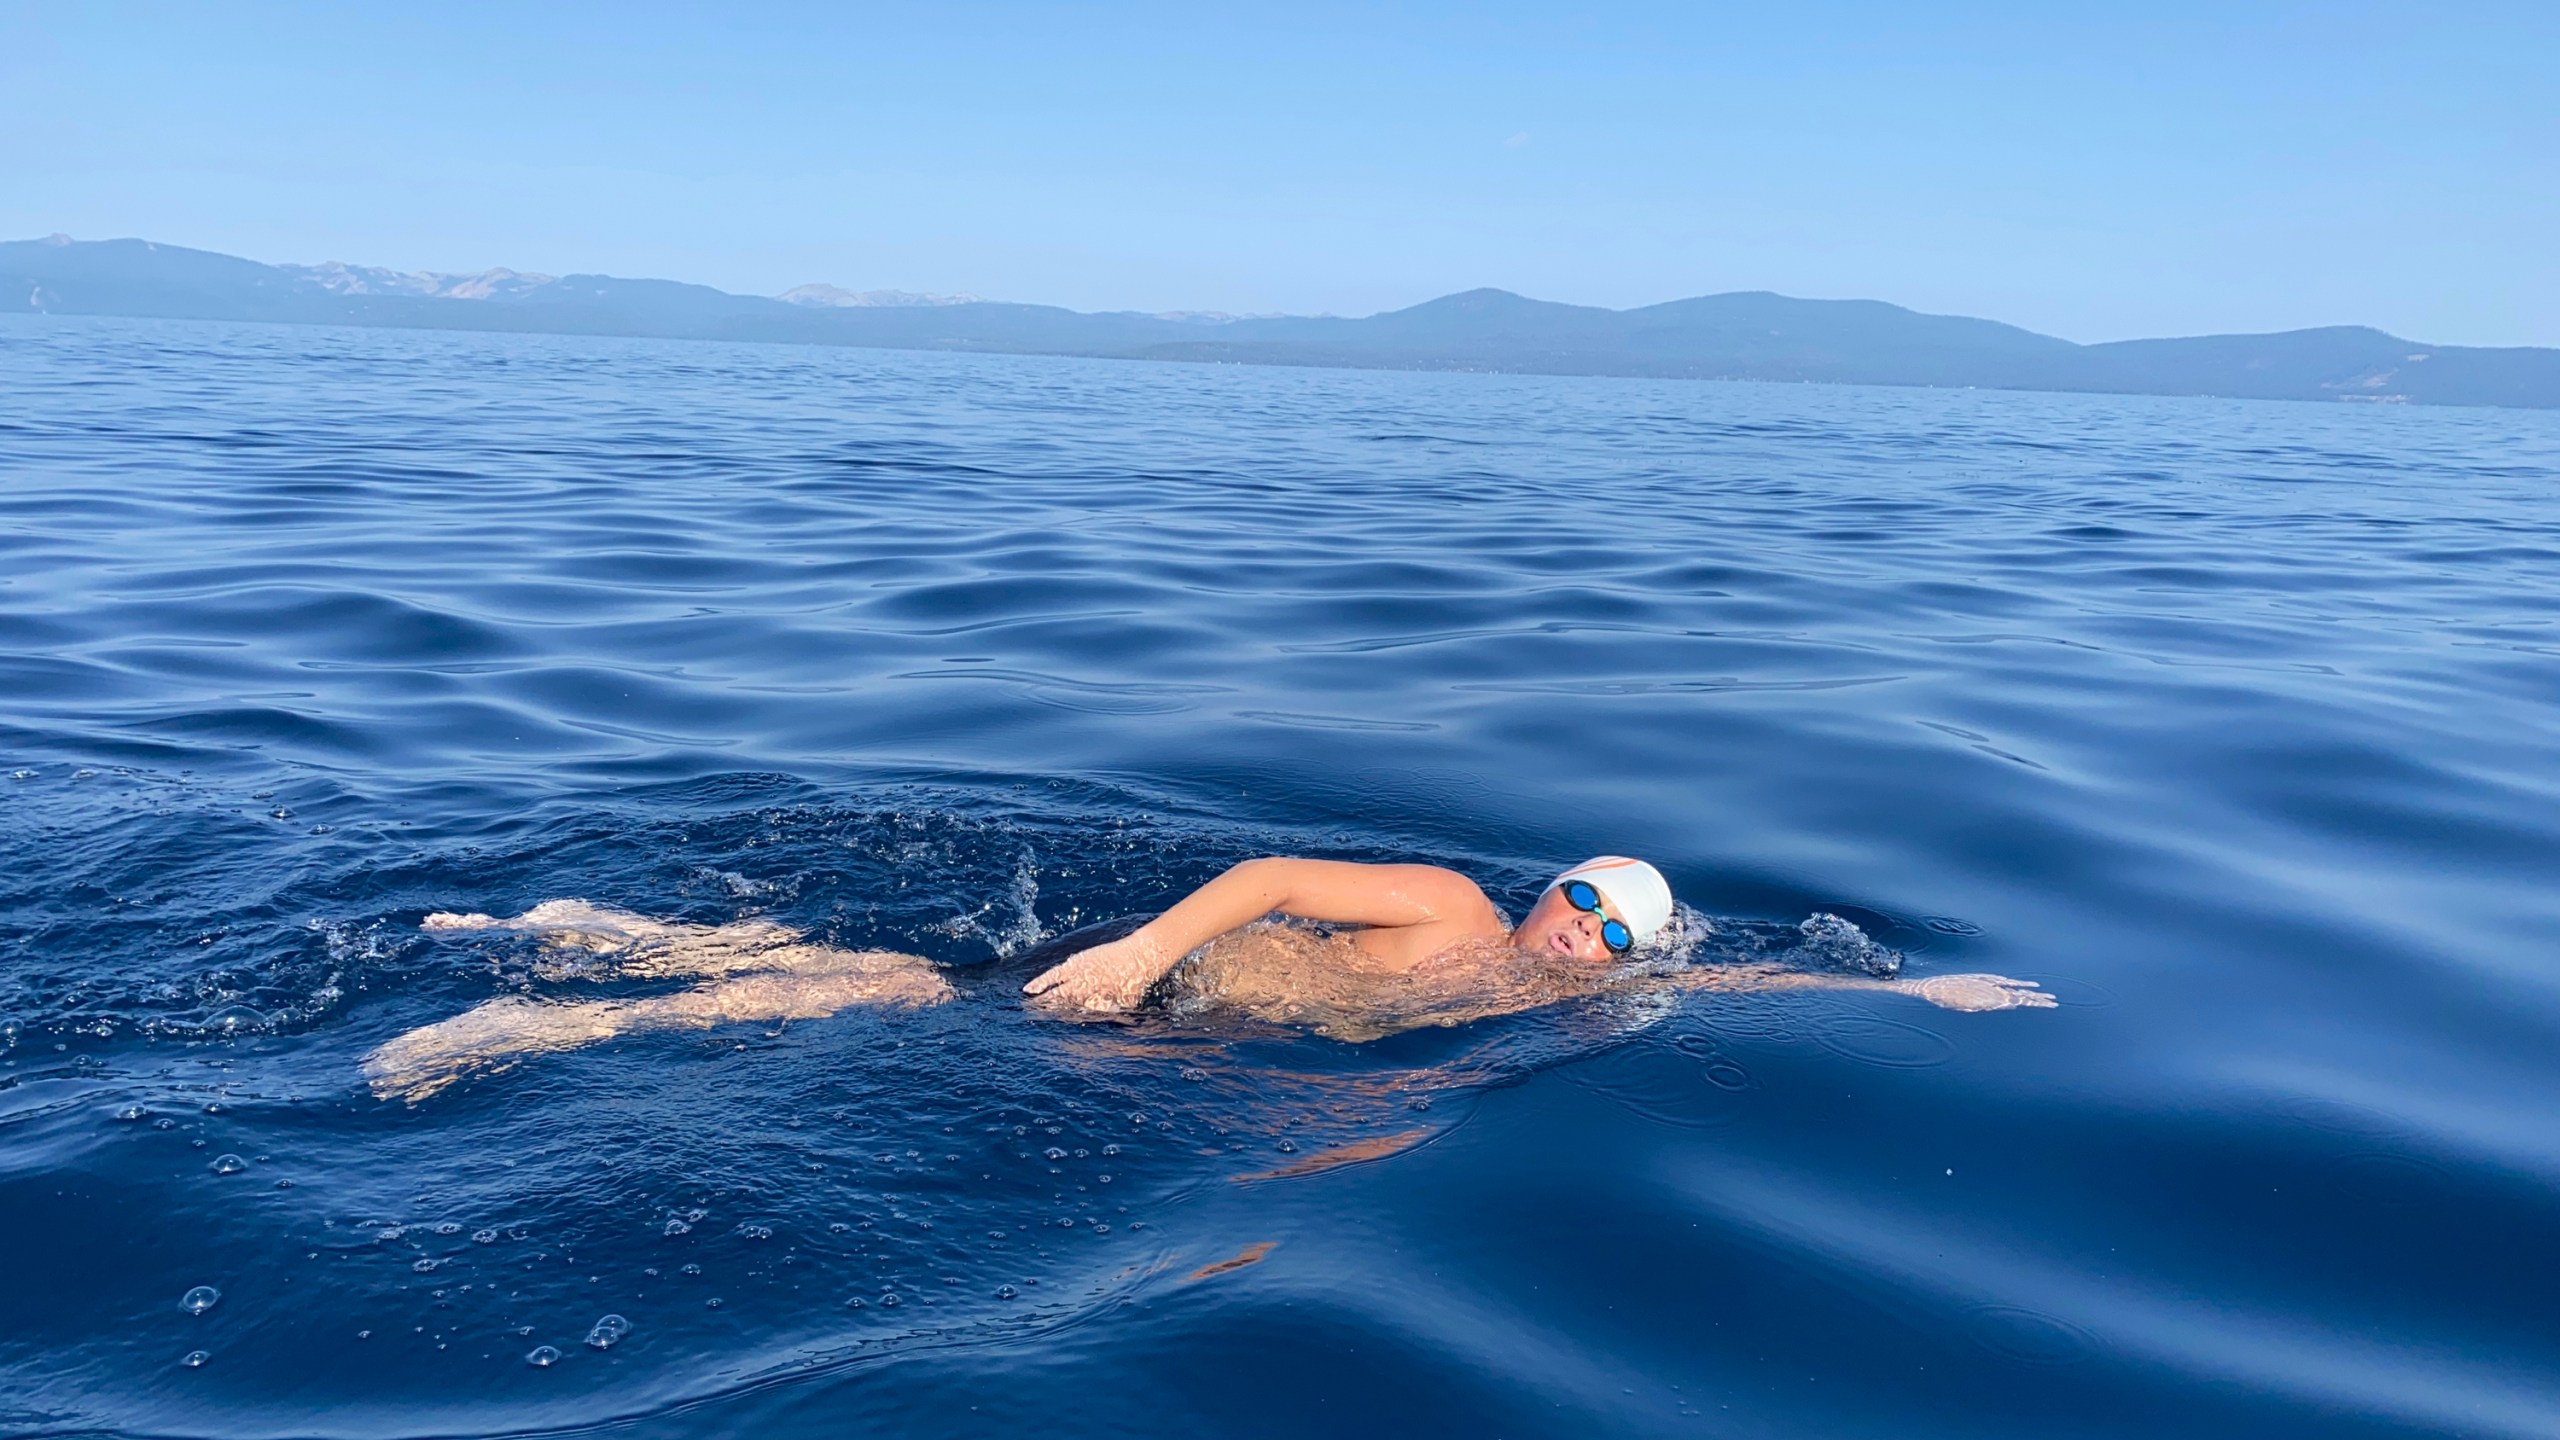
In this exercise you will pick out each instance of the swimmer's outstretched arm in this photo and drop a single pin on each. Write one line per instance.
(1115, 975)
(1949, 992)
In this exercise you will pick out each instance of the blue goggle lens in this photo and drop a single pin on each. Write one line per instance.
(1583, 895)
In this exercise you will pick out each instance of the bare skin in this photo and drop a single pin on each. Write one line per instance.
(759, 971)
(1431, 950)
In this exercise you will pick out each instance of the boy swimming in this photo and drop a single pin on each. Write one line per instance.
(1377, 949)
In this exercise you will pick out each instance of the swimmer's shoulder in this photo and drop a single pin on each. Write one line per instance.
(1453, 899)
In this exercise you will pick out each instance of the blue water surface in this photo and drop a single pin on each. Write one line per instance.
(2231, 723)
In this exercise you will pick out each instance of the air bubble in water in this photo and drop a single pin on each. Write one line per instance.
(1054, 1153)
(608, 1332)
(423, 1266)
(484, 1237)
(447, 1227)
(1288, 1147)
(542, 1357)
(1006, 1292)
(891, 1301)
(688, 1269)
(200, 1299)
(756, 1232)
(677, 1225)
(132, 1112)
(855, 1303)
(1110, 1149)
(227, 1165)
(194, 1359)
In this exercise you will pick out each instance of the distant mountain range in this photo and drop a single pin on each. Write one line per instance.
(1750, 335)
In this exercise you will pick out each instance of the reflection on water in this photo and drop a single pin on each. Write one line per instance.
(2228, 725)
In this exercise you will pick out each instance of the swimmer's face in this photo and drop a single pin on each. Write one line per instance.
(1554, 927)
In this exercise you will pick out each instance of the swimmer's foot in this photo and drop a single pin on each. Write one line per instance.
(1975, 992)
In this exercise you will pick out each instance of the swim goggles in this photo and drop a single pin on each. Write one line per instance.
(1583, 895)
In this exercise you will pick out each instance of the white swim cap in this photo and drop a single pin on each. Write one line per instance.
(1641, 895)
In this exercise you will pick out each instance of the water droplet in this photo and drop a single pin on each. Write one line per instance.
(1053, 1153)
(688, 1269)
(855, 1303)
(1288, 1147)
(423, 1266)
(711, 1304)
(447, 1227)
(227, 1165)
(542, 1357)
(755, 1232)
(132, 1112)
(608, 1332)
(164, 1124)
(196, 1358)
(1110, 1149)
(678, 1225)
(1006, 1292)
(200, 1299)
(838, 1228)
(484, 1237)
(890, 1301)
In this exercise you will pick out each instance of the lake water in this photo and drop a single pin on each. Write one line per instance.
(2233, 724)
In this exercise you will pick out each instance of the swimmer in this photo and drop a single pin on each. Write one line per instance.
(1402, 946)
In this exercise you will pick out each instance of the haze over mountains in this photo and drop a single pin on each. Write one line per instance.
(1739, 336)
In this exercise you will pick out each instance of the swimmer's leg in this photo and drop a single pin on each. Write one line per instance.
(638, 944)
(498, 1034)
(566, 922)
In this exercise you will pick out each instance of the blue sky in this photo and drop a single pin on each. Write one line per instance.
(2096, 172)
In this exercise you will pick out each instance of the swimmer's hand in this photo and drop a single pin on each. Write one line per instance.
(1976, 992)
(1109, 977)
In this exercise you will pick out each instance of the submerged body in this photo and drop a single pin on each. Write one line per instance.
(1425, 952)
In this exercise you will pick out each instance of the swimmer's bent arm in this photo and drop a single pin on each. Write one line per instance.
(1114, 976)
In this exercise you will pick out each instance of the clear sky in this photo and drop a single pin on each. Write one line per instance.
(2092, 171)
